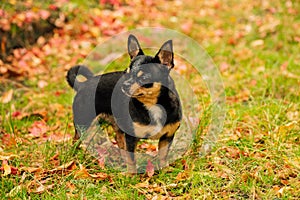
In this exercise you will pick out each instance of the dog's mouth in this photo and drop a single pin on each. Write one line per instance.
(125, 92)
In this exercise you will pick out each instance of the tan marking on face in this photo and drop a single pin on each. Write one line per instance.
(155, 132)
(148, 96)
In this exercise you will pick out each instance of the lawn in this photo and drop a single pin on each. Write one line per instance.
(254, 45)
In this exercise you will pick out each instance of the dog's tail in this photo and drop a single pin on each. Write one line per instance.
(78, 70)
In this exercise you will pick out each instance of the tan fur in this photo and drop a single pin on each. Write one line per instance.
(155, 132)
(148, 96)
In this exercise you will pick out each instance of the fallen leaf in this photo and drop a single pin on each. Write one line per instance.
(70, 186)
(68, 166)
(6, 168)
(42, 114)
(150, 169)
(257, 43)
(224, 66)
(7, 156)
(13, 192)
(44, 14)
(101, 162)
(42, 83)
(8, 140)
(58, 137)
(42, 188)
(187, 27)
(82, 172)
(99, 176)
(38, 129)
(182, 176)
(284, 182)
(30, 169)
(185, 165)
(7, 96)
(284, 66)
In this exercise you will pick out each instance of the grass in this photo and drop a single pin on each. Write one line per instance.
(257, 155)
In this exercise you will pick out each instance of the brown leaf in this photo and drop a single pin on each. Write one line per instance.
(68, 166)
(7, 156)
(38, 113)
(185, 165)
(70, 186)
(30, 169)
(99, 176)
(182, 176)
(284, 182)
(8, 140)
(82, 172)
(7, 96)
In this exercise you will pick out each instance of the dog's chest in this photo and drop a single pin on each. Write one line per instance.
(157, 128)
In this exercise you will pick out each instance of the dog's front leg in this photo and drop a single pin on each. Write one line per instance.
(131, 143)
(163, 149)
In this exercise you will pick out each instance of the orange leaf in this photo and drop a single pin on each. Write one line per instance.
(182, 176)
(8, 140)
(82, 172)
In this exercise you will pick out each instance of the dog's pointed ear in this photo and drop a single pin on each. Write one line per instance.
(134, 48)
(165, 54)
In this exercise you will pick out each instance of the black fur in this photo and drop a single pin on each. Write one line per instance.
(94, 96)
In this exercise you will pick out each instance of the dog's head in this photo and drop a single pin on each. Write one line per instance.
(146, 75)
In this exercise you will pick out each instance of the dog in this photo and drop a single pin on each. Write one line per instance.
(140, 102)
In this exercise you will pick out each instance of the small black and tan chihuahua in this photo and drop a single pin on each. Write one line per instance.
(140, 102)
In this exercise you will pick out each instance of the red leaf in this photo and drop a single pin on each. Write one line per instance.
(16, 114)
(8, 169)
(44, 14)
(38, 129)
(150, 169)
(97, 20)
(102, 153)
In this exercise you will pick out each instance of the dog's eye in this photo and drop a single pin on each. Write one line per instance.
(144, 80)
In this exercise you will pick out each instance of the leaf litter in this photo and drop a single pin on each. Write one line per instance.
(74, 39)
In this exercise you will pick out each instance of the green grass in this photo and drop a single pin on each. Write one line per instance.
(257, 155)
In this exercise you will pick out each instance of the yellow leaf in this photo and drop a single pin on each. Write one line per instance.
(6, 167)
